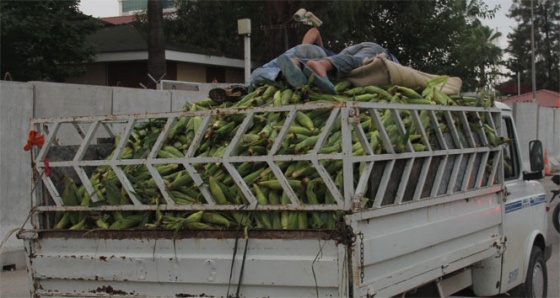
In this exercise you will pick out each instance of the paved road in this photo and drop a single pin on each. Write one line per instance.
(14, 284)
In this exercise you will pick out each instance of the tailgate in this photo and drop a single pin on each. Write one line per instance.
(187, 264)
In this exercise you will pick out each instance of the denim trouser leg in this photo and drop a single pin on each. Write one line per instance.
(270, 70)
(344, 64)
(352, 57)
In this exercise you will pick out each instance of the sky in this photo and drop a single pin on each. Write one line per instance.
(501, 23)
(100, 8)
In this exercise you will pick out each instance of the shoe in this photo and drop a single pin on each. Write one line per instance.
(294, 75)
(323, 83)
(231, 94)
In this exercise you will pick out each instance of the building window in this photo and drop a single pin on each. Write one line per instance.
(139, 5)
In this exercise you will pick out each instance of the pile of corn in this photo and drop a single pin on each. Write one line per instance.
(302, 177)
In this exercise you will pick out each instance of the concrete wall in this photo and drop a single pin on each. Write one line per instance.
(21, 101)
(16, 108)
(524, 115)
(527, 117)
(556, 135)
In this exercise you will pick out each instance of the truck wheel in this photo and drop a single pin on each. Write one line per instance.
(556, 217)
(536, 282)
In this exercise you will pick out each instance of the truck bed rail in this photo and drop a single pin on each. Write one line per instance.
(386, 154)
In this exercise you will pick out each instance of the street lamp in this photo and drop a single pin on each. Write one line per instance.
(244, 28)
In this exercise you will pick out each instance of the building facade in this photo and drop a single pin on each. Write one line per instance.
(131, 7)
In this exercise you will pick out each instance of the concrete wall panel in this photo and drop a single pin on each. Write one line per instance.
(16, 108)
(63, 100)
(524, 115)
(180, 98)
(556, 135)
(546, 128)
(133, 101)
(60, 100)
(554, 154)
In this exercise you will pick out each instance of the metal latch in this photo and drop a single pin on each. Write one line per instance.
(500, 245)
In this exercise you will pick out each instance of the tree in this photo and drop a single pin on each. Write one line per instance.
(156, 40)
(547, 43)
(432, 36)
(44, 40)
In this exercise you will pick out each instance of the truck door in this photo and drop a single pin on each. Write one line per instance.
(524, 210)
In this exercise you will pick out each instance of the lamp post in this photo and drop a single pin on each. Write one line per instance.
(244, 28)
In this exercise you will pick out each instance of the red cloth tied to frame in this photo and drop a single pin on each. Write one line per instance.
(34, 139)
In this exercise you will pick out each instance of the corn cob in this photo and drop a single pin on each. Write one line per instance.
(342, 86)
(312, 200)
(216, 191)
(217, 219)
(261, 199)
(304, 120)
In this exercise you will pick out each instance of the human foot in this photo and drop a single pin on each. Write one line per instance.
(320, 67)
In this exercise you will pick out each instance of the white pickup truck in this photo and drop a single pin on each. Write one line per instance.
(455, 213)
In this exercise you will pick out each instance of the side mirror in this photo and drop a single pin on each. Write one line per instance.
(536, 156)
(536, 160)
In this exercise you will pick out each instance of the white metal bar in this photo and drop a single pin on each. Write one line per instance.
(347, 167)
(468, 172)
(49, 140)
(422, 178)
(128, 187)
(384, 183)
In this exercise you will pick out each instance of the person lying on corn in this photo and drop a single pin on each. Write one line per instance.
(311, 47)
(335, 67)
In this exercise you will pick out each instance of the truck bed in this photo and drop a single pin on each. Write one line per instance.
(406, 216)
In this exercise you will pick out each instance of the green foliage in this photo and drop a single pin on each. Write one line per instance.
(44, 40)
(547, 39)
(438, 36)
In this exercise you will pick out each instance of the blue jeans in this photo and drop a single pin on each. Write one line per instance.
(353, 57)
(302, 52)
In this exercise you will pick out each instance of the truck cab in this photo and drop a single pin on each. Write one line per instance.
(525, 218)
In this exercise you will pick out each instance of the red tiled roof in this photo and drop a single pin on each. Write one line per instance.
(545, 98)
(119, 20)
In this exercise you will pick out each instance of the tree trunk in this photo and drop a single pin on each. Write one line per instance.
(156, 41)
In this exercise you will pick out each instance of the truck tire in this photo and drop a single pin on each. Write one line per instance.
(556, 217)
(536, 282)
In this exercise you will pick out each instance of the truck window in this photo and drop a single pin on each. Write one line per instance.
(511, 155)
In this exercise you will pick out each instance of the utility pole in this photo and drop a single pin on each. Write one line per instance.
(156, 42)
(533, 75)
